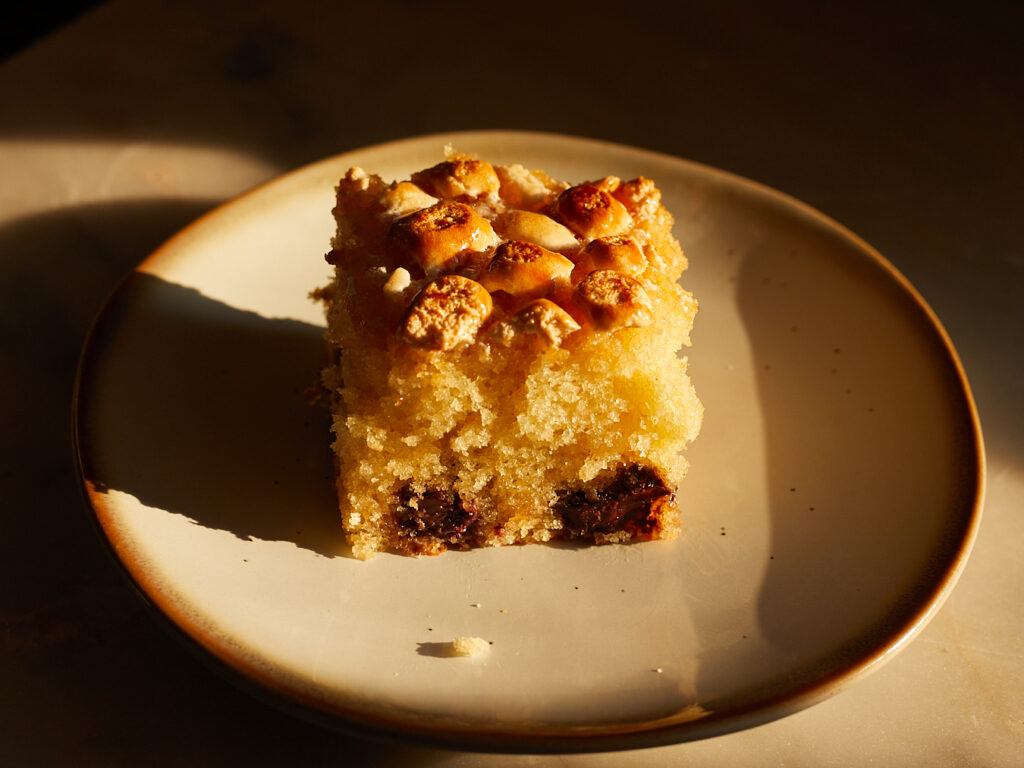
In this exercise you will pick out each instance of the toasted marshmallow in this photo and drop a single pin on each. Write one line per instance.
(523, 188)
(640, 196)
(459, 177)
(591, 212)
(402, 199)
(622, 254)
(542, 318)
(538, 229)
(436, 237)
(525, 270)
(448, 312)
(612, 300)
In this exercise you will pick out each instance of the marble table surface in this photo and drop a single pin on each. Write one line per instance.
(903, 122)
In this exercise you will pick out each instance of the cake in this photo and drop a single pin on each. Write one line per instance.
(506, 360)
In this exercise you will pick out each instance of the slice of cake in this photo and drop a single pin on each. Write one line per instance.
(506, 359)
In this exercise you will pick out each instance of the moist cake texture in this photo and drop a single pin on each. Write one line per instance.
(506, 362)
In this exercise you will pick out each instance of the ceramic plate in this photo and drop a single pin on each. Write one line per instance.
(831, 502)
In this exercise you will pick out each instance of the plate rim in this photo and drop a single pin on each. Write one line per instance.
(363, 722)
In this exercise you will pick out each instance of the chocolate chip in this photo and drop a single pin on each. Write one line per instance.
(434, 514)
(630, 502)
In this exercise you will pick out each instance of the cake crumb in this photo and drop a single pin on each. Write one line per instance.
(469, 646)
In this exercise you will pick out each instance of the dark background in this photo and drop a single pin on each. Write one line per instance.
(28, 22)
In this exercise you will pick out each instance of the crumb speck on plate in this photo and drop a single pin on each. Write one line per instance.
(469, 646)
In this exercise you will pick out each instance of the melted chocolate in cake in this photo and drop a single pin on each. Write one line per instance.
(434, 514)
(630, 502)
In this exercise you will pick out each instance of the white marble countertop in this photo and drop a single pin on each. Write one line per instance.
(904, 123)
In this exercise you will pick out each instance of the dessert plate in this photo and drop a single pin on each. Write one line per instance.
(832, 499)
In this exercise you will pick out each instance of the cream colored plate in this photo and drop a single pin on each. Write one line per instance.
(832, 499)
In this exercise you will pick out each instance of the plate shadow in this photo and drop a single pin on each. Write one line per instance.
(202, 410)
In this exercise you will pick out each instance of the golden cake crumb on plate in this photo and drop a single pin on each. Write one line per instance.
(469, 646)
